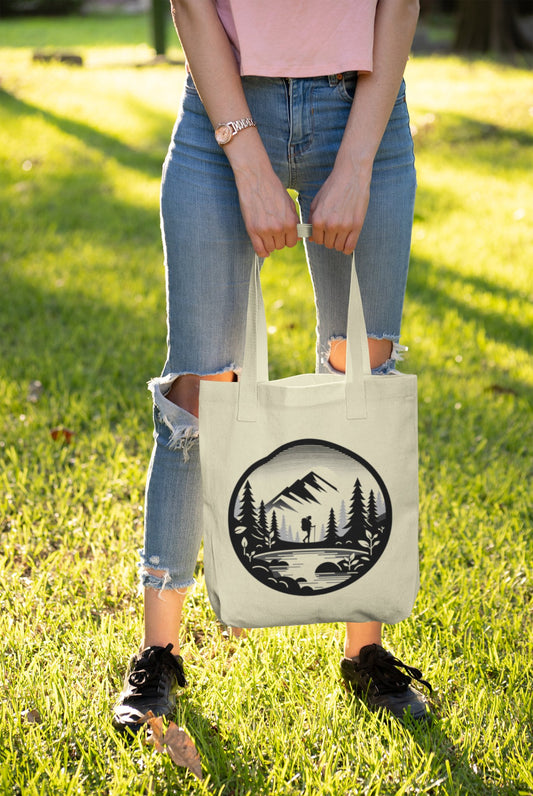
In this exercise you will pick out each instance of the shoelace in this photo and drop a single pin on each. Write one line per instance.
(146, 676)
(383, 670)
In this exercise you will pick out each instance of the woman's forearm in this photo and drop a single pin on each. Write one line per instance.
(210, 59)
(377, 91)
(214, 69)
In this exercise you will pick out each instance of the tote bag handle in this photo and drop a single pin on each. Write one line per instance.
(255, 362)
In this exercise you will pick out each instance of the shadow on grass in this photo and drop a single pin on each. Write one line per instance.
(208, 741)
(77, 346)
(450, 764)
(82, 339)
(435, 293)
(221, 755)
(497, 146)
(79, 197)
(459, 128)
(223, 759)
(148, 162)
(219, 752)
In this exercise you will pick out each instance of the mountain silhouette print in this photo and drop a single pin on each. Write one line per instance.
(303, 490)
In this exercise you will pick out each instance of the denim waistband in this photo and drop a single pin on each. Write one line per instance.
(331, 80)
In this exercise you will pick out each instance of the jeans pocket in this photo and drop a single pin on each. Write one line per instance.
(346, 86)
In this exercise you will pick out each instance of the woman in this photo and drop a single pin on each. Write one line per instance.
(279, 95)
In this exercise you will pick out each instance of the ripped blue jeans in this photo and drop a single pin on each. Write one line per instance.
(208, 260)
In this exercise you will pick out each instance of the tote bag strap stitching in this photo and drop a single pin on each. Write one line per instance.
(255, 363)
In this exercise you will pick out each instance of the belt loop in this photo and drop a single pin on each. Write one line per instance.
(334, 79)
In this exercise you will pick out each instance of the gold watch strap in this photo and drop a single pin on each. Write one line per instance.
(241, 124)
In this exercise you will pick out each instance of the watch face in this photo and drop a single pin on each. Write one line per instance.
(223, 134)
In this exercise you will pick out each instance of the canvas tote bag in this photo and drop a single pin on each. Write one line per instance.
(310, 487)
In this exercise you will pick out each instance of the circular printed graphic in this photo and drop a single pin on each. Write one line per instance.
(310, 518)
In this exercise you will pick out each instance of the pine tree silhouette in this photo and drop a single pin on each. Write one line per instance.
(262, 525)
(331, 531)
(357, 516)
(274, 531)
(372, 514)
(248, 516)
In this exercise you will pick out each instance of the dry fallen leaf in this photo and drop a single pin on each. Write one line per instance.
(175, 741)
(64, 434)
(182, 750)
(155, 738)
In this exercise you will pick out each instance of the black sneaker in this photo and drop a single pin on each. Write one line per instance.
(153, 678)
(375, 675)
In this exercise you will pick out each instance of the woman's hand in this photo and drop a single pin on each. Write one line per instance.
(268, 211)
(339, 208)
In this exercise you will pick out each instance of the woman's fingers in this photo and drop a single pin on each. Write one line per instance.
(338, 212)
(268, 211)
(336, 236)
(270, 221)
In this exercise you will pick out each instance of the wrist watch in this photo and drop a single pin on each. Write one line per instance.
(225, 132)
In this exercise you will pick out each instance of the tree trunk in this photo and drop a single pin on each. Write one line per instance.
(160, 14)
(489, 25)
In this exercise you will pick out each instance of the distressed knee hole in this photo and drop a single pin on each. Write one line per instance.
(182, 425)
(176, 399)
(384, 353)
(337, 354)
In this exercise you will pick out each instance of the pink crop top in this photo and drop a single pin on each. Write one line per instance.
(300, 38)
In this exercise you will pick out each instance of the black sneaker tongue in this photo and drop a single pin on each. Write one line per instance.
(384, 669)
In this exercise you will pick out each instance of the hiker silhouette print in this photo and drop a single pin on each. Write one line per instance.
(312, 517)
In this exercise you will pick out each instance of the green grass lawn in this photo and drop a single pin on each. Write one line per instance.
(82, 312)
